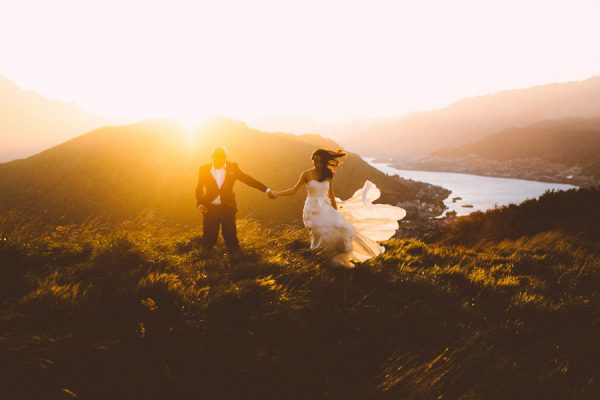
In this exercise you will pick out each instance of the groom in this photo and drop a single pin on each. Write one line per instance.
(216, 200)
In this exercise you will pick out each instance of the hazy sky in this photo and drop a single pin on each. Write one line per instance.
(328, 60)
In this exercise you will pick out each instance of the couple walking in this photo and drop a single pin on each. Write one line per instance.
(345, 231)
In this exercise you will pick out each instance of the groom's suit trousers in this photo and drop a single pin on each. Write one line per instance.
(220, 217)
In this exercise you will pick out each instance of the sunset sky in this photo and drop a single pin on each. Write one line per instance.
(327, 60)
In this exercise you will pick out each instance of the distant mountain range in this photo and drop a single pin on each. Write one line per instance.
(30, 122)
(471, 119)
(563, 150)
(569, 141)
(502, 134)
(119, 172)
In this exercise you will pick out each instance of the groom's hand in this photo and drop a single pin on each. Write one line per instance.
(272, 195)
(202, 208)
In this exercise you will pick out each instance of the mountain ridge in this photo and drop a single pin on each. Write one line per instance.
(31, 122)
(418, 134)
(564, 150)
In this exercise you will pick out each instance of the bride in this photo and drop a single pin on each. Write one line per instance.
(345, 231)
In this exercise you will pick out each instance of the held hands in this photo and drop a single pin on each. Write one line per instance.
(202, 208)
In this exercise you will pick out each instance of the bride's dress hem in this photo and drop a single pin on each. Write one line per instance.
(351, 233)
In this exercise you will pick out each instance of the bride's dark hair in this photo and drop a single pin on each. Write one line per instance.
(330, 161)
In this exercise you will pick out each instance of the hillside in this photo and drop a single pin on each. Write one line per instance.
(137, 313)
(569, 141)
(572, 212)
(30, 122)
(470, 119)
(564, 151)
(119, 172)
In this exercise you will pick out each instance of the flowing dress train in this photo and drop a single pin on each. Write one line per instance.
(350, 233)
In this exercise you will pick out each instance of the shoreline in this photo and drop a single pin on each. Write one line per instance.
(425, 166)
(473, 192)
(487, 175)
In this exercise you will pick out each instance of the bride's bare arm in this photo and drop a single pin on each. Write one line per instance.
(293, 190)
(331, 195)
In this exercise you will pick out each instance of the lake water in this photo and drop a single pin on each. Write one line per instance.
(483, 192)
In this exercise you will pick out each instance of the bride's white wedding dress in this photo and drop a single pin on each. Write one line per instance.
(351, 232)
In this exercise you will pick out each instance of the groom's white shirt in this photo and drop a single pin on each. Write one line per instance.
(219, 175)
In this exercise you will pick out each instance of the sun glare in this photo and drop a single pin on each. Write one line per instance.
(189, 132)
(259, 59)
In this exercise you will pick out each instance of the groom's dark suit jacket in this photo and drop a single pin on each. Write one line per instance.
(207, 189)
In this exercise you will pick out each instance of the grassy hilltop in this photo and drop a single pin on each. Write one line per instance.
(118, 172)
(135, 312)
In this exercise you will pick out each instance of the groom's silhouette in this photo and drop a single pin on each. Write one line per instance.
(216, 200)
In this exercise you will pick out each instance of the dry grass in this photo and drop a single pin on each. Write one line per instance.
(136, 312)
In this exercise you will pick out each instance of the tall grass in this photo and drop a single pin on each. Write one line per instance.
(138, 312)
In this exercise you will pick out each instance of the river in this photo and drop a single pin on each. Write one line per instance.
(482, 192)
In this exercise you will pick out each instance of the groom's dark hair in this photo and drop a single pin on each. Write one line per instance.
(219, 149)
(330, 161)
